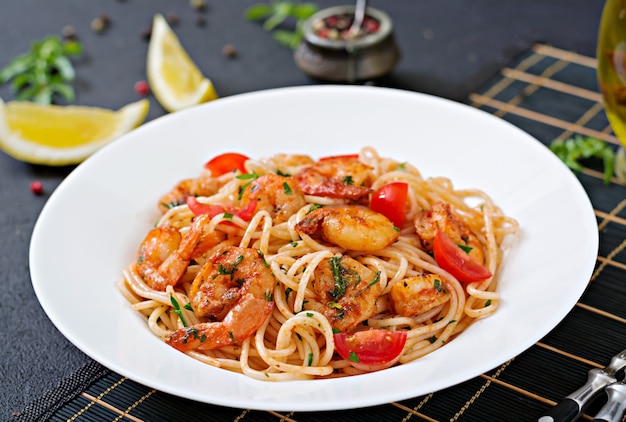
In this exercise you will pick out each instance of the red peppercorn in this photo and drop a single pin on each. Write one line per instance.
(142, 88)
(36, 187)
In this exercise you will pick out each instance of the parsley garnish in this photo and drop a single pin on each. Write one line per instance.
(277, 14)
(44, 72)
(177, 310)
(371, 283)
(313, 208)
(310, 359)
(287, 189)
(262, 255)
(572, 150)
(437, 284)
(246, 176)
(229, 269)
(340, 280)
(466, 249)
(353, 357)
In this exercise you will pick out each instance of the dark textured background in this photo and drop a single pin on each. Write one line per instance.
(449, 48)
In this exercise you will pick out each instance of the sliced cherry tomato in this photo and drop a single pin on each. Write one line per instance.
(456, 261)
(225, 163)
(371, 347)
(353, 156)
(246, 213)
(198, 208)
(390, 201)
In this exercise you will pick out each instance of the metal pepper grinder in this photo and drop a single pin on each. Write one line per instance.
(348, 44)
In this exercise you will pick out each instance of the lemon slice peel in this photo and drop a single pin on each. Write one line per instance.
(63, 135)
(174, 78)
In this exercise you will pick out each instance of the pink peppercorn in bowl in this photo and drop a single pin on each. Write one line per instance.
(329, 52)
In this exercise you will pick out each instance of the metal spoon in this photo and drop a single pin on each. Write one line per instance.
(359, 15)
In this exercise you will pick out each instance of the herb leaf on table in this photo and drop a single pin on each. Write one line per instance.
(44, 71)
(572, 150)
(279, 13)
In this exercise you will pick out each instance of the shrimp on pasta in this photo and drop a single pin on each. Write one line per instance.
(235, 288)
(288, 267)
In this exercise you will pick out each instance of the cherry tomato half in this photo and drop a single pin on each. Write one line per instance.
(390, 201)
(225, 163)
(456, 261)
(371, 347)
(198, 208)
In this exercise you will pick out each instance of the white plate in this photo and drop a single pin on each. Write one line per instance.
(91, 226)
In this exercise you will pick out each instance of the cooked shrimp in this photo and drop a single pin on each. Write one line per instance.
(201, 186)
(279, 195)
(441, 217)
(234, 287)
(416, 295)
(336, 177)
(287, 163)
(350, 227)
(164, 255)
(347, 291)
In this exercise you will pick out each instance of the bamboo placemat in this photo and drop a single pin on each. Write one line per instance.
(551, 94)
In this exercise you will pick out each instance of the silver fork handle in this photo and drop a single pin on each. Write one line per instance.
(613, 410)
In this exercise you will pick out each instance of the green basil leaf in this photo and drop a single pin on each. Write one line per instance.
(304, 10)
(258, 11)
(65, 91)
(65, 68)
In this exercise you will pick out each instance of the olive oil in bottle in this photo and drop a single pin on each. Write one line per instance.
(611, 55)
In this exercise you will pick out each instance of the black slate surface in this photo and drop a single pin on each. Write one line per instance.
(449, 49)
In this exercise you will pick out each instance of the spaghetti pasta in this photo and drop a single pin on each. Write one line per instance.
(257, 270)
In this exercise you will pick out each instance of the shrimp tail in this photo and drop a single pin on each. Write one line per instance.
(237, 326)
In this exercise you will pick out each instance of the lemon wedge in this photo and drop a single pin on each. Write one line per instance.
(174, 78)
(60, 135)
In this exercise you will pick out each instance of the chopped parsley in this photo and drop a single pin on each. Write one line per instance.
(262, 255)
(288, 291)
(466, 249)
(177, 310)
(371, 283)
(287, 189)
(229, 269)
(342, 276)
(354, 357)
(313, 208)
(437, 284)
